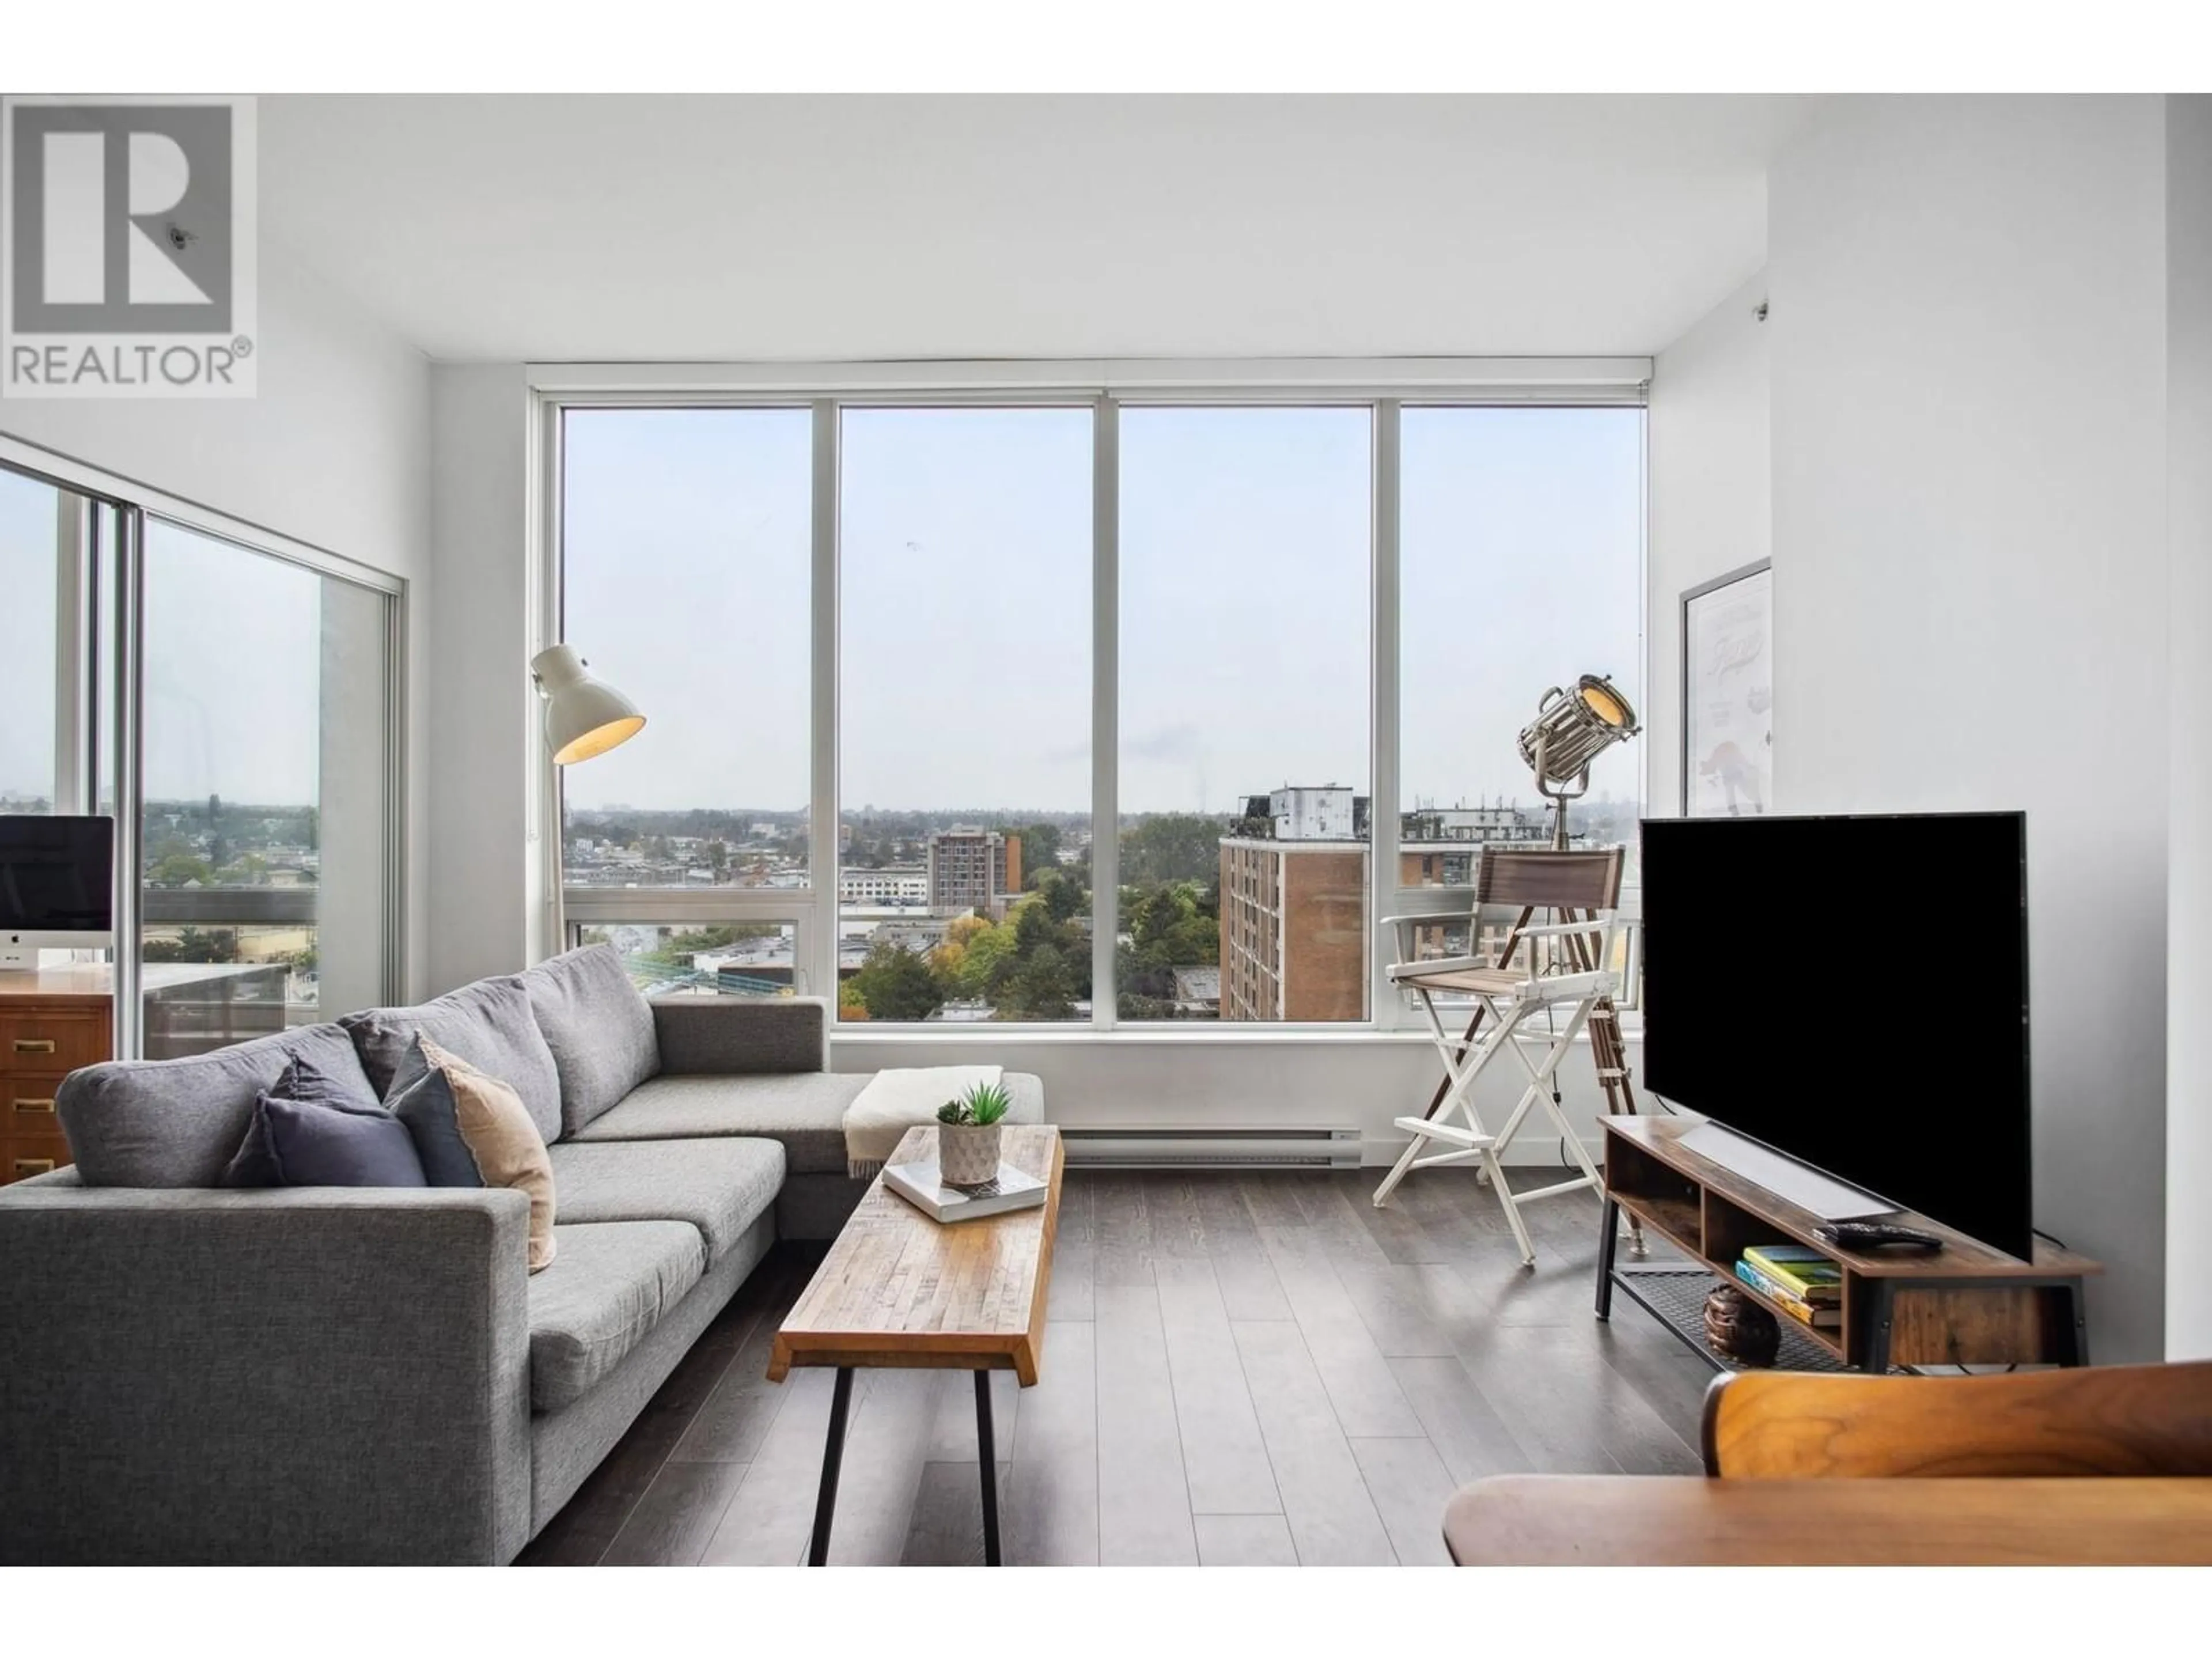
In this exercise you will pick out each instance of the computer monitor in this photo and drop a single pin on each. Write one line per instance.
(57, 885)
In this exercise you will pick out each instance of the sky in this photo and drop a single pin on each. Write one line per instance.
(965, 660)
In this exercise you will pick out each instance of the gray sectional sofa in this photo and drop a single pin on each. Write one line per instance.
(191, 1373)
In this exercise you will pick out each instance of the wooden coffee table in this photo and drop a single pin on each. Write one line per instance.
(900, 1290)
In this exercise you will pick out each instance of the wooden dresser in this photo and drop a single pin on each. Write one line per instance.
(52, 1020)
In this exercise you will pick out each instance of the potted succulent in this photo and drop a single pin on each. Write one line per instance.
(967, 1136)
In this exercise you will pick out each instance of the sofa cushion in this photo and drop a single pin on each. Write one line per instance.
(423, 1098)
(721, 1186)
(599, 1029)
(487, 1024)
(803, 1110)
(179, 1122)
(608, 1287)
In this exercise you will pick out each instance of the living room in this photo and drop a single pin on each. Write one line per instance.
(672, 661)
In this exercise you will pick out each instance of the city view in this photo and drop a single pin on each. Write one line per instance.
(970, 916)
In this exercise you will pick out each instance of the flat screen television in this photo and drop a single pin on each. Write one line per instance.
(57, 881)
(1852, 993)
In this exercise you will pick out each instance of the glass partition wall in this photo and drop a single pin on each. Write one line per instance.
(255, 765)
(1130, 710)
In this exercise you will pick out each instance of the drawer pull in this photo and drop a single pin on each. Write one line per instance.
(23, 1105)
(35, 1045)
(31, 1166)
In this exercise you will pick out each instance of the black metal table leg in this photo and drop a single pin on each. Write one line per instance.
(1608, 1239)
(833, 1454)
(987, 1456)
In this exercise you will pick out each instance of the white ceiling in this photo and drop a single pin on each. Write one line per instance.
(760, 227)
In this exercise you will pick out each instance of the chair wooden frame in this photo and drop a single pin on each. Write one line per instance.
(2105, 1420)
(1583, 890)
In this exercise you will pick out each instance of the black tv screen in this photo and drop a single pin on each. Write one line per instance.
(1853, 993)
(57, 875)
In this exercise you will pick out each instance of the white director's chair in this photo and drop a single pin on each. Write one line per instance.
(1546, 982)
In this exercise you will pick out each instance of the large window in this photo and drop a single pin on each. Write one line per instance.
(964, 715)
(254, 777)
(266, 794)
(968, 627)
(686, 583)
(1520, 569)
(1246, 555)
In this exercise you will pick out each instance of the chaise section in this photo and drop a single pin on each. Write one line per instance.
(287, 1374)
(719, 1187)
(804, 1112)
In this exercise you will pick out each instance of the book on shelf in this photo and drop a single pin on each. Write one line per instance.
(921, 1186)
(1800, 1269)
(1795, 1306)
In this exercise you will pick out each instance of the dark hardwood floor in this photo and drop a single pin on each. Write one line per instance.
(1239, 1369)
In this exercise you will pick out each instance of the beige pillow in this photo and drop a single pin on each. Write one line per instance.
(503, 1141)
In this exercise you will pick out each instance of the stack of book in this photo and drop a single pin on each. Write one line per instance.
(1796, 1279)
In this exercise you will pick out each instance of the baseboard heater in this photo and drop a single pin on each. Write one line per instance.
(1213, 1149)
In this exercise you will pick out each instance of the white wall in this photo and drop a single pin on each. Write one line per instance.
(1967, 348)
(2189, 528)
(479, 883)
(334, 452)
(1710, 510)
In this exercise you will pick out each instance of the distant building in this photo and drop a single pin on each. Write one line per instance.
(969, 866)
(1438, 846)
(1294, 909)
(896, 885)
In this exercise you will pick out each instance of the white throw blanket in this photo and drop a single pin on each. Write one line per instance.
(894, 1101)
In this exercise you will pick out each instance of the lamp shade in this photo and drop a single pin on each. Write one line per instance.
(584, 716)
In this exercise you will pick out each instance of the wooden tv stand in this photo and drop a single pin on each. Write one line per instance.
(1965, 1304)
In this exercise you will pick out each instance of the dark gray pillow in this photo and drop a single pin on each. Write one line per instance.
(177, 1122)
(422, 1099)
(487, 1024)
(301, 1143)
(599, 1029)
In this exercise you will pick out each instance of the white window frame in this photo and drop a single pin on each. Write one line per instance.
(1383, 386)
(83, 658)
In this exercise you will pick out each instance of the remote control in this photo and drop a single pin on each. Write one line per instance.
(1872, 1235)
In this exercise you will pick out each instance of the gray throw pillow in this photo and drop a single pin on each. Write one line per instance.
(423, 1098)
(304, 1143)
(487, 1024)
(599, 1029)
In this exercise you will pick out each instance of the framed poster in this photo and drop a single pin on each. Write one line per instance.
(1727, 694)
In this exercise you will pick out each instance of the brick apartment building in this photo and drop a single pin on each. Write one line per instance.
(1294, 928)
(1294, 909)
(969, 869)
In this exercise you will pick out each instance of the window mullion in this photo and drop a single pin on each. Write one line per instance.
(1105, 706)
(1383, 707)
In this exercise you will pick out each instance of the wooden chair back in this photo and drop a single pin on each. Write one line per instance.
(2093, 1420)
(1528, 879)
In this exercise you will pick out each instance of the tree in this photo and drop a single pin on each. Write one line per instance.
(1171, 847)
(1042, 988)
(851, 1005)
(1040, 851)
(179, 870)
(1063, 899)
(897, 984)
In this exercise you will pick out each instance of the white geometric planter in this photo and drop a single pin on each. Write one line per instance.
(967, 1153)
